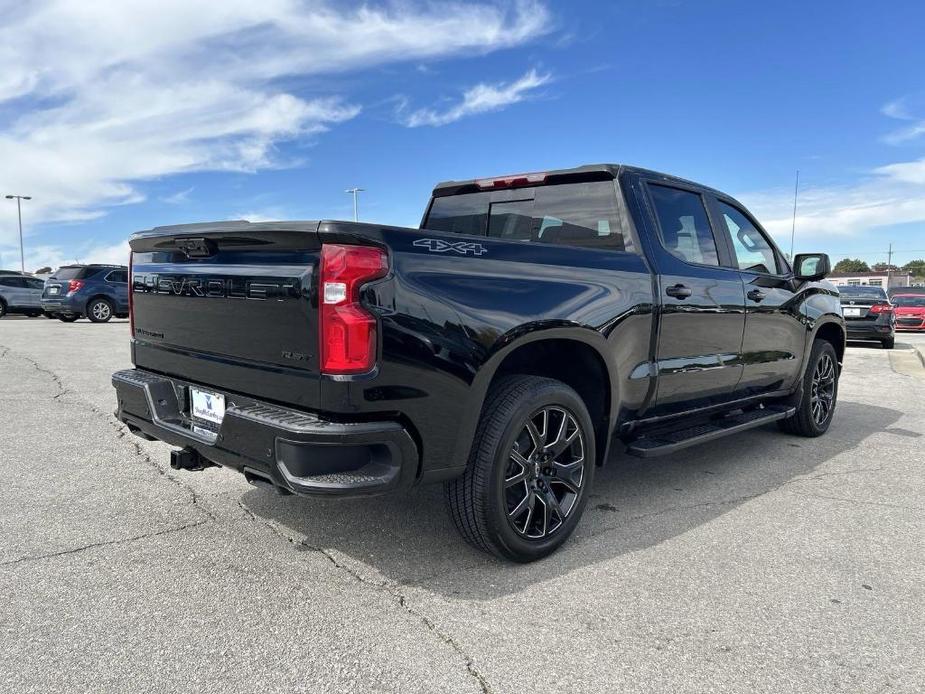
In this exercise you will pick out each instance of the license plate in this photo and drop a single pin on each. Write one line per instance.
(53, 290)
(852, 313)
(207, 406)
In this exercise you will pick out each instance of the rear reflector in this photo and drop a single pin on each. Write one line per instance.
(514, 181)
(348, 331)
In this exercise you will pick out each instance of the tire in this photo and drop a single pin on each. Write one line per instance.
(100, 310)
(49, 315)
(889, 343)
(67, 319)
(2, 308)
(34, 314)
(495, 504)
(820, 392)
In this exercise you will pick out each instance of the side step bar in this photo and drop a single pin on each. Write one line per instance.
(664, 441)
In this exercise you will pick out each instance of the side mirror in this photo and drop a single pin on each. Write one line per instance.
(811, 266)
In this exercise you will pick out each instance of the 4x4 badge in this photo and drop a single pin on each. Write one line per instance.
(461, 247)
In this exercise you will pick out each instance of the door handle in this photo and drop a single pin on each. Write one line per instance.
(756, 295)
(679, 291)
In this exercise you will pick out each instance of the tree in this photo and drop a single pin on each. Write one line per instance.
(885, 267)
(42, 271)
(916, 267)
(851, 265)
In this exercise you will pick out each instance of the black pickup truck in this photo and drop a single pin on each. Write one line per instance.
(531, 323)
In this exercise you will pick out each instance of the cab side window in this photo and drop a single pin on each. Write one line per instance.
(752, 250)
(683, 225)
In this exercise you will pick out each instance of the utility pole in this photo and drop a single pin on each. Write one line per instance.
(889, 265)
(793, 228)
(19, 199)
(354, 192)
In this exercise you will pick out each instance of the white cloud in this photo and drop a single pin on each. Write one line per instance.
(899, 110)
(893, 194)
(482, 98)
(107, 94)
(55, 256)
(178, 198)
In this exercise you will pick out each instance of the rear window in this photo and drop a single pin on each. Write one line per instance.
(863, 292)
(572, 214)
(917, 301)
(72, 273)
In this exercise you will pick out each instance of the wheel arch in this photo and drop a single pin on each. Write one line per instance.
(100, 295)
(575, 356)
(834, 333)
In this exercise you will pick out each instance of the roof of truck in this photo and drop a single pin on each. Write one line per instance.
(585, 172)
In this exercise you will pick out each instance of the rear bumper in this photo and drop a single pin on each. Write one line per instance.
(63, 304)
(868, 329)
(295, 451)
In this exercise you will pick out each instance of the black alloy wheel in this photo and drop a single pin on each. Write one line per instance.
(545, 473)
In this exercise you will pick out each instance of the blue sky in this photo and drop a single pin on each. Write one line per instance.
(122, 116)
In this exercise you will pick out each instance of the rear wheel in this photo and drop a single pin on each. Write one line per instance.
(888, 343)
(820, 393)
(2, 308)
(100, 310)
(529, 472)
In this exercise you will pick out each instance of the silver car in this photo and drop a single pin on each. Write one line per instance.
(20, 294)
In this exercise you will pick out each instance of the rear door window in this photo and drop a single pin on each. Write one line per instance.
(684, 225)
(572, 214)
(117, 276)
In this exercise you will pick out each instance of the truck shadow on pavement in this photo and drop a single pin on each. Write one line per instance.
(635, 504)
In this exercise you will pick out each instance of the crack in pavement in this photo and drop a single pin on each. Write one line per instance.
(121, 431)
(116, 425)
(390, 589)
(105, 543)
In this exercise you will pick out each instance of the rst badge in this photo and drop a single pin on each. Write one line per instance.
(442, 246)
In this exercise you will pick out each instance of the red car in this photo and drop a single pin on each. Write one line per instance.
(909, 310)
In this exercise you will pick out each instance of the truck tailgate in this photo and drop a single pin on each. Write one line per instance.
(229, 304)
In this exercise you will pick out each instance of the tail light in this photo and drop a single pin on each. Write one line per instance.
(881, 308)
(74, 285)
(131, 303)
(348, 331)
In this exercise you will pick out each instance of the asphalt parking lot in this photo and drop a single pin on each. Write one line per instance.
(761, 563)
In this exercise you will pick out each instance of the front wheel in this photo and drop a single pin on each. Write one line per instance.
(529, 472)
(820, 393)
(889, 343)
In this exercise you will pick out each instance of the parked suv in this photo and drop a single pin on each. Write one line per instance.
(97, 292)
(532, 323)
(20, 294)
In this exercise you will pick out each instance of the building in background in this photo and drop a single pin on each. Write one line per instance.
(896, 278)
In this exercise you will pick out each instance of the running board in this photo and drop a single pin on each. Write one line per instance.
(665, 441)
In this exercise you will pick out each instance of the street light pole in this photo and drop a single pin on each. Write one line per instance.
(354, 191)
(19, 199)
